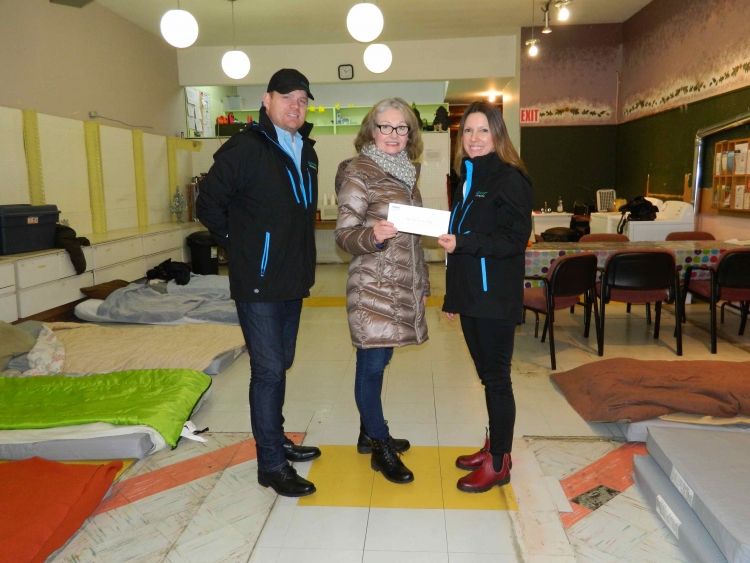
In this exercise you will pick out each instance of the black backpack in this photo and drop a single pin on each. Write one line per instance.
(640, 209)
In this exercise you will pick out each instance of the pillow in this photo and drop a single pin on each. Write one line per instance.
(103, 290)
(13, 342)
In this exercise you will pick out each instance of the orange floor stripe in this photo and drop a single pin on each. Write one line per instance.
(181, 473)
(614, 470)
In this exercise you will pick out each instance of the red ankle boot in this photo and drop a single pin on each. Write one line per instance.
(485, 477)
(473, 461)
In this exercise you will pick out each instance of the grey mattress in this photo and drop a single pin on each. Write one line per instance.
(691, 536)
(127, 446)
(638, 431)
(711, 470)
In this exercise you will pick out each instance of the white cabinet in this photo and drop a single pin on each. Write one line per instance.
(160, 242)
(156, 259)
(111, 253)
(8, 308)
(52, 294)
(7, 279)
(128, 271)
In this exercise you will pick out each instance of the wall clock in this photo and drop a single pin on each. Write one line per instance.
(346, 72)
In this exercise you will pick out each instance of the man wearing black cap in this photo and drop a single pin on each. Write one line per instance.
(259, 201)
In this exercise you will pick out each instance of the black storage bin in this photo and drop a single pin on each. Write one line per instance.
(27, 228)
(204, 253)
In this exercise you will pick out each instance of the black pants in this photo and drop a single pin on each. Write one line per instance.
(490, 343)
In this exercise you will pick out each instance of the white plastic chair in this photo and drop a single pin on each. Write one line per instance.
(605, 199)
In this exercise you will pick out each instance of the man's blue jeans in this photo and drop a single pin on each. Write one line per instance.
(270, 331)
(368, 384)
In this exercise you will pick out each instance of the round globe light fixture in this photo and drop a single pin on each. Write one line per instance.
(235, 64)
(378, 58)
(364, 22)
(533, 49)
(563, 14)
(179, 28)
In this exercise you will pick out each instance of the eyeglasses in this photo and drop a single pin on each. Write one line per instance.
(401, 130)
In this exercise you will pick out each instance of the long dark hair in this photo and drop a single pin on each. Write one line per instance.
(503, 146)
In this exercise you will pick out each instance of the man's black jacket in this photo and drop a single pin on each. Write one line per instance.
(261, 208)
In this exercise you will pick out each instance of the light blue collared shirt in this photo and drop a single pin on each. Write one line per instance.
(291, 145)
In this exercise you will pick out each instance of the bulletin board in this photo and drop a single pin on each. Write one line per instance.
(198, 105)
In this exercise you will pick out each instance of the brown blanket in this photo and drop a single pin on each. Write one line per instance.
(625, 390)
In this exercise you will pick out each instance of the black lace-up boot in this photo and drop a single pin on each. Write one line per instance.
(363, 443)
(388, 461)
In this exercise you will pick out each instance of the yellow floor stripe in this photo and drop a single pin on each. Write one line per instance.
(344, 478)
(436, 301)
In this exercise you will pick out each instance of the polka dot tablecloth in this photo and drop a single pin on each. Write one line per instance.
(540, 257)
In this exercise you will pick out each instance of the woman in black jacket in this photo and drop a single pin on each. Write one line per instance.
(486, 242)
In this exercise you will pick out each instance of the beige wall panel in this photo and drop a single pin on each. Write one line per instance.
(66, 180)
(157, 178)
(203, 160)
(118, 170)
(67, 62)
(15, 182)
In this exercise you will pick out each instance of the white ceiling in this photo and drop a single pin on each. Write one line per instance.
(306, 22)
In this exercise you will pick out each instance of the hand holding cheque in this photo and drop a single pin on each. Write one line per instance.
(418, 220)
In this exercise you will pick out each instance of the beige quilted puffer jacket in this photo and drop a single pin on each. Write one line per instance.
(386, 286)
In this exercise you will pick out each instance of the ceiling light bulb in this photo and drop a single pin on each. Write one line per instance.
(533, 51)
(492, 98)
(235, 64)
(365, 22)
(547, 29)
(378, 58)
(564, 14)
(179, 28)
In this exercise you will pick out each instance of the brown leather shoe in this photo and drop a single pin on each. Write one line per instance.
(473, 461)
(485, 477)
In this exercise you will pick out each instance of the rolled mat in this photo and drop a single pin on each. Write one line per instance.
(44, 503)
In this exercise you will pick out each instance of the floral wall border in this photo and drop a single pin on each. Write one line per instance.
(572, 112)
(669, 96)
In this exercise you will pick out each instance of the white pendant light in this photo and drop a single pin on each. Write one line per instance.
(235, 64)
(533, 49)
(378, 58)
(364, 22)
(179, 28)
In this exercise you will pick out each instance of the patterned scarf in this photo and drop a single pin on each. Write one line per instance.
(397, 165)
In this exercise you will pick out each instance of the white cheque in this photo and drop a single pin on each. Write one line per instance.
(419, 220)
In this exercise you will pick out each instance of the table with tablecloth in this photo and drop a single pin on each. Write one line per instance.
(540, 256)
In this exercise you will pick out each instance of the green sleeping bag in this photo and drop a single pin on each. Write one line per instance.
(161, 398)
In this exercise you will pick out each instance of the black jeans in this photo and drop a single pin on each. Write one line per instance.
(490, 343)
(270, 331)
(368, 385)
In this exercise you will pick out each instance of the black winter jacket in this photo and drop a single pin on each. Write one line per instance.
(492, 225)
(257, 206)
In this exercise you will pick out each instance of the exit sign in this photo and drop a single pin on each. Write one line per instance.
(529, 116)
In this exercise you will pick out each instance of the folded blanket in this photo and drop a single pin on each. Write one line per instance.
(627, 390)
(45, 503)
(162, 399)
(91, 348)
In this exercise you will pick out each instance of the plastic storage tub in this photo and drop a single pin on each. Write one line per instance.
(27, 228)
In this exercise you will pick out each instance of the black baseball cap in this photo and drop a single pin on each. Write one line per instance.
(288, 80)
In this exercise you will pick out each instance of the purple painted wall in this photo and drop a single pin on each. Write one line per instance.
(668, 54)
(680, 51)
(573, 79)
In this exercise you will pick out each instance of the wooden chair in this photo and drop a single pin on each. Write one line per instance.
(641, 276)
(729, 280)
(690, 235)
(568, 278)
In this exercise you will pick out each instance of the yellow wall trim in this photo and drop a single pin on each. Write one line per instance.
(33, 157)
(96, 182)
(141, 193)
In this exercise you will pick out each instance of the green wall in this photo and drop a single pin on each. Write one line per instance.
(569, 162)
(574, 162)
(663, 145)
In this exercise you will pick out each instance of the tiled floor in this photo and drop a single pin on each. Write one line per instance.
(432, 397)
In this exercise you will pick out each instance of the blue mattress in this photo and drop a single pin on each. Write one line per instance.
(712, 472)
(662, 496)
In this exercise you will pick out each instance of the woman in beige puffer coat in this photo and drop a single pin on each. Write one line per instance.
(388, 283)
